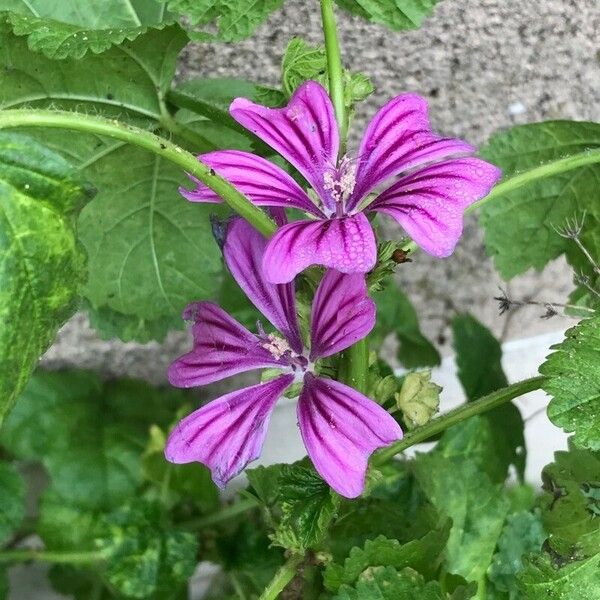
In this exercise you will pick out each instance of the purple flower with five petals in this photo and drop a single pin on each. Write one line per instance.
(339, 426)
(428, 196)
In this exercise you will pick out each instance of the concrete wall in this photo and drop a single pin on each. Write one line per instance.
(484, 65)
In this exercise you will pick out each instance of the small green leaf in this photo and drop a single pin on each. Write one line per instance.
(12, 500)
(42, 266)
(233, 20)
(398, 15)
(396, 314)
(522, 534)
(478, 357)
(422, 555)
(142, 556)
(520, 227)
(573, 381)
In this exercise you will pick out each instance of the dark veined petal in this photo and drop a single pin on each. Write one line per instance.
(243, 251)
(341, 428)
(398, 138)
(229, 432)
(342, 313)
(346, 244)
(430, 203)
(264, 183)
(304, 132)
(222, 347)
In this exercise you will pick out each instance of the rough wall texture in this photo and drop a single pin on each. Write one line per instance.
(484, 65)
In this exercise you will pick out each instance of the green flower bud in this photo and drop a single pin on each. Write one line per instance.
(419, 398)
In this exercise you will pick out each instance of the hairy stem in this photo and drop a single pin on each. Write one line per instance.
(71, 558)
(485, 404)
(149, 141)
(354, 365)
(334, 68)
(285, 574)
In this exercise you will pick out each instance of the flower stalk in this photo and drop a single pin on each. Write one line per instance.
(283, 576)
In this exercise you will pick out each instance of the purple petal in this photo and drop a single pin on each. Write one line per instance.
(399, 138)
(341, 428)
(304, 132)
(229, 432)
(222, 347)
(342, 313)
(244, 250)
(346, 244)
(264, 183)
(430, 203)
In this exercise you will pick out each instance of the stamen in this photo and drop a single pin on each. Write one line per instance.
(340, 181)
(276, 345)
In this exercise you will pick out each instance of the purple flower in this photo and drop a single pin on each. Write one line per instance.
(340, 427)
(425, 191)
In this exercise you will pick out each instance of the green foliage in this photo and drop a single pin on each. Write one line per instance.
(523, 533)
(396, 314)
(398, 15)
(223, 20)
(12, 501)
(42, 266)
(70, 28)
(422, 555)
(302, 62)
(520, 226)
(452, 478)
(573, 381)
(143, 557)
(478, 357)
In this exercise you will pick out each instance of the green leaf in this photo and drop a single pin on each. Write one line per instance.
(522, 534)
(573, 381)
(396, 314)
(88, 435)
(455, 483)
(398, 15)
(143, 556)
(12, 500)
(386, 583)
(478, 357)
(542, 580)
(42, 266)
(233, 20)
(422, 555)
(70, 28)
(190, 482)
(520, 225)
(308, 506)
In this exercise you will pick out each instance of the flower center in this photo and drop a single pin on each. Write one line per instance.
(276, 345)
(340, 182)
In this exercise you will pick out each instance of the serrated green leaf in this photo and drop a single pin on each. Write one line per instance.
(70, 28)
(422, 555)
(223, 20)
(573, 381)
(42, 267)
(395, 14)
(12, 500)
(458, 487)
(143, 556)
(478, 357)
(520, 226)
(308, 506)
(88, 435)
(396, 314)
(541, 580)
(522, 534)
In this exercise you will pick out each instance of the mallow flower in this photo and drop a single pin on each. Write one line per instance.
(340, 427)
(402, 169)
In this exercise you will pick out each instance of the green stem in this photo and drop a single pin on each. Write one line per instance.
(354, 365)
(485, 404)
(334, 68)
(285, 574)
(233, 510)
(149, 141)
(71, 558)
